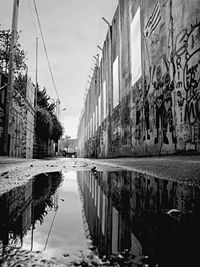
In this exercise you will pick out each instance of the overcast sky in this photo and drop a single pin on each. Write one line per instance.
(72, 29)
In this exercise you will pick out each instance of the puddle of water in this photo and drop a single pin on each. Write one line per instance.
(144, 220)
(61, 231)
(44, 215)
(133, 219)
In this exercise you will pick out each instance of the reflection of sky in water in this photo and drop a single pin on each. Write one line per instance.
(67, 234)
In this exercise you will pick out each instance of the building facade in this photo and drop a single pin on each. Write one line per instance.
(144, 96)
(3, 82)
(22, 119)
(68, 146)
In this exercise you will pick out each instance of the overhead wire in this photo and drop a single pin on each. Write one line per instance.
(45, 49)
(35, 28)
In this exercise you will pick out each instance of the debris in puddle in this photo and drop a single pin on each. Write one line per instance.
(93, 169)
(65, 255)
(4, 173)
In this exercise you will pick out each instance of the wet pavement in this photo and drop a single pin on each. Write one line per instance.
(93, 217)
(181, 168)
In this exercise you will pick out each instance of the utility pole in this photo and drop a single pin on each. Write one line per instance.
(10, 87)
(36, 73)
(36, 91)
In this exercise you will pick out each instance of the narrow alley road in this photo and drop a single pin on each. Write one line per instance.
(16, 171)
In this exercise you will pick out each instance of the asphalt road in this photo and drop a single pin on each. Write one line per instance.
(186, 168)
(16, 171)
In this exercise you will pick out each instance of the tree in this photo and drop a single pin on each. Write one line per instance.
(43, 100)
(44, 124)
(19, 60)
(57, 130)
(20, 56)
(21, 83)
(47, 124)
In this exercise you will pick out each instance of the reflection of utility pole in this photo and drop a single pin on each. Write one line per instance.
(10, 87)
(49, 232)
(32, 221)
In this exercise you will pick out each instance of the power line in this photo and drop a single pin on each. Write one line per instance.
(29, 4)
(45, 49)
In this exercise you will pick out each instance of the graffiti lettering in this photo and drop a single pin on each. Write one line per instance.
(181, 43)
(188, 52)
(193, 42)
(153, 21)
(191, 80)
(178, 63)
(172, 88)
(192, 111)
(179, 84)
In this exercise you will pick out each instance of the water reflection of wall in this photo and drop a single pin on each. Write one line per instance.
(128, 210)
(105, 203)
(24, 206)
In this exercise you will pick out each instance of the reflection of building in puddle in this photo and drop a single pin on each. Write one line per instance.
(130, 210)
(15, 209)
(24, 206)
(101, 200)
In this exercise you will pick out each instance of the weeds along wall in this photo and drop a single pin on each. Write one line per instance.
(144, 96)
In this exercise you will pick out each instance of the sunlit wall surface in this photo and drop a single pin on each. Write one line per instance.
(136, 67)
(115, 82)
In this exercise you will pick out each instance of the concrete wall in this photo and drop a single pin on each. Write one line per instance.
(149, 75)
(30, 118)
(3, 81)
(22, 123)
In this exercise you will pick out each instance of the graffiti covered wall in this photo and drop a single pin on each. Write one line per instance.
(171, 76)
(152, 59)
